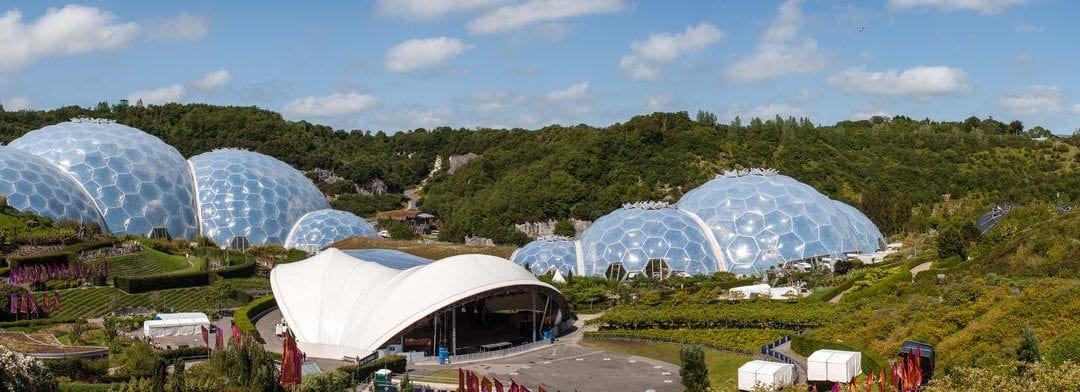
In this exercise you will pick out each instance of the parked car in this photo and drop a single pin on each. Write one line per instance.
(384, 234)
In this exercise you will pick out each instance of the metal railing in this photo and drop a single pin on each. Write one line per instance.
(768, 350)
(428, 360)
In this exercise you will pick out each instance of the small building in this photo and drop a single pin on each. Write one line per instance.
(771, 375)
(420, 222)
(175, 324)
(767, 291)
(833, 365)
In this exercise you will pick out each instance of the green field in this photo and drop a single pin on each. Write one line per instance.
(151, 262)
(99, 301)
(723, 367)
(740, 340)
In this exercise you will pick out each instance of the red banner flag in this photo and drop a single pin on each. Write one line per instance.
(205, 335)
(235, 332)
(471, 381)
(219, 339)
(22, 304)
(290, 362)
(498, 385)
(56, 300)
(460, 380)
(485, 384)
(514, 387)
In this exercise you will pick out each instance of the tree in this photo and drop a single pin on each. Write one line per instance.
(706, 118)
(954, 238)
(1016, 127)
(1028, 351)
(695, 376)
(565, 228)
(176, 379)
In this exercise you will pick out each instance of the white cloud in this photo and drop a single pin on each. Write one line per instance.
(916, 82)
(572, 93)
(18, 103)
(333, 105)
(805, 95)
(212, 81)
(412, 117)
(173, 93)
(641, 63)
(182, 27)
(61, 31)
(768, 112)
(419, 10)
(782, 50)
(656, 103)
(416, 54)
(985, 7)
(1026, 28)
(515, 16)
(1034, 100)
(1022, 58)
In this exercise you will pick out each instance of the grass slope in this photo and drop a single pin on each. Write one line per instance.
(151, 262)
(99, 301)
(433, 251)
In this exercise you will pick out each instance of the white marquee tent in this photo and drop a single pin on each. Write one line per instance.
(833, 365)
(765, 374)
(349, 303)
(175, 324)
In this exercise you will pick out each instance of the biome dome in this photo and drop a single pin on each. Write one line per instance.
(250, 197)
(632, 236)
(137, 182)
(30, 183)
(318, 229)
(549, 253)
(743, 222)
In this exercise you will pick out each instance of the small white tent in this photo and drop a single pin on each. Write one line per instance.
(175, 324)
(833, 365)
(765, 374)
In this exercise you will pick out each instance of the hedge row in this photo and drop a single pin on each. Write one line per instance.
(186, 352)
(243, 315)
(396, 364)
(176, 280)
(141, 284)
(83, 387)
(41, 322)
(66, 257)
(245, 270)
(805, 346)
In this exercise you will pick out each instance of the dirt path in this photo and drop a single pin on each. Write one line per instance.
(920, 268)
(838, 297)
(800, 361)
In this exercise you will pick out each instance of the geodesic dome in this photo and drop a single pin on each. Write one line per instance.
(34, 184)
(137, 182)
(871, 238)
(637, 233)
(762, 219)
(250, 195)
(318, 229)
(548, 253)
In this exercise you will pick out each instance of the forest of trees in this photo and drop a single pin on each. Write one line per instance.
(891, 168)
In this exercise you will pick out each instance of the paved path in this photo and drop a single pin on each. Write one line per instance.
(800, 361)
(920, 268)
(838, 297)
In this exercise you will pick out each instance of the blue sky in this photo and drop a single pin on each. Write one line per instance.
(395, 65)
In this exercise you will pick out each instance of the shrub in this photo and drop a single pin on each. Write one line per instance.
(81, 387)
(243, 315)
(245, 270)
(77, 369)
(185, 352)
(396, 364)
(64, 258)
(142, 284)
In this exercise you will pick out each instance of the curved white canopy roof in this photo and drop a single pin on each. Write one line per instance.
(341, 305)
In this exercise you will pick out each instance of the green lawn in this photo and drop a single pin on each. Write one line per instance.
(150, 262)
(723, 367)
(99, 301)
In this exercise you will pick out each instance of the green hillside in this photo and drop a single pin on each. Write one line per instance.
(898, 170)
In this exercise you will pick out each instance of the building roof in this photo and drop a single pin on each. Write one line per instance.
(340, 304)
